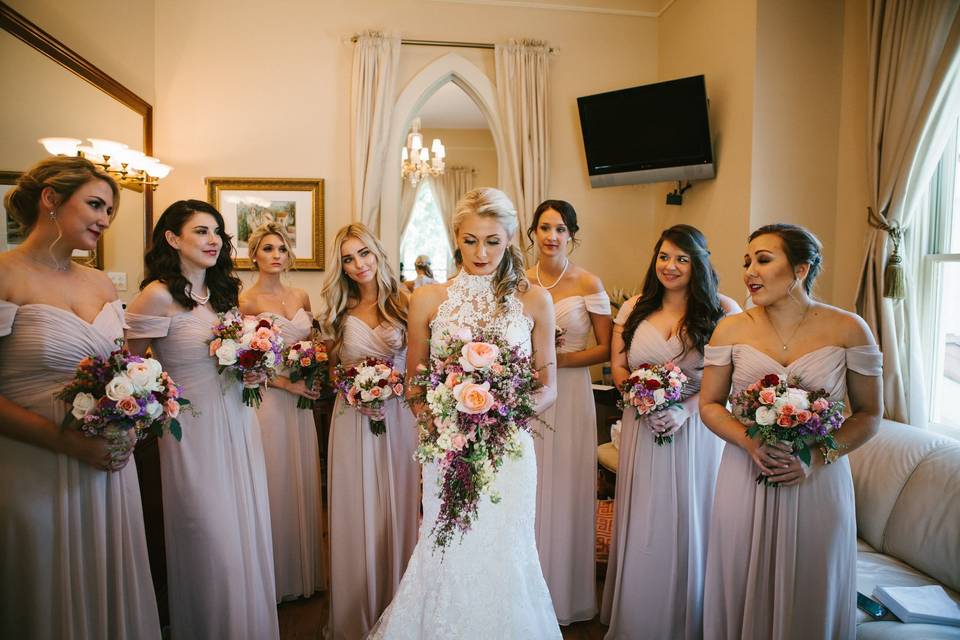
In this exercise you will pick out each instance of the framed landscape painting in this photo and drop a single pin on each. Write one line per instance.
(294, 203)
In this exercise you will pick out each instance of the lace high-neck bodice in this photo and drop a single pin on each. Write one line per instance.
(471, 304)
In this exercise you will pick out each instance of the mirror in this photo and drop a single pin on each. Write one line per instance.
(51, 91)
(453, 118)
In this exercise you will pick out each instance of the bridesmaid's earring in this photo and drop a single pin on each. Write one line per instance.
(53, 214)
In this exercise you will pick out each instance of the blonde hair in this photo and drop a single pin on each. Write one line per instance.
(338, 288)
(63, 174)
(488, 202)
(270, 228)
(422, 263)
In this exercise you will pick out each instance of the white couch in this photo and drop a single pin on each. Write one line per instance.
(907, 484)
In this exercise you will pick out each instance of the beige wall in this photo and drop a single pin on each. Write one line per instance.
(716, 38)
(255, 92)
(472, 148)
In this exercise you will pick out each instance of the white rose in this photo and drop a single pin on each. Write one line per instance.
(227, 353)
(659, 396)
(82, 404)
(250, 324)
(443, 441)
(120, 387)
(145, 376)
(153, 409)
(766, 416)
(270, 360)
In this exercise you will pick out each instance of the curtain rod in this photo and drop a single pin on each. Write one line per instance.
(450, 43)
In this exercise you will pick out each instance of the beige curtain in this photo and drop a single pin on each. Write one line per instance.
(448, 188)
(914, 49)
(376, 59)
(522, 91)
(408, 197)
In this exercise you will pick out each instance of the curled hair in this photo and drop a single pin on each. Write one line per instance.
(800, 246)
(567, 213)
(703, 302)
(63, 174)
(488, 202)
(163, 261)
(338, 288)
(422, 263)
(270, 228)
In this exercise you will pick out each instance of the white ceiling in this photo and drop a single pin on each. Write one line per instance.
(451, 108)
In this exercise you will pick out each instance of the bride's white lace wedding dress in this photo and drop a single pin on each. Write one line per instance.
(488, 584)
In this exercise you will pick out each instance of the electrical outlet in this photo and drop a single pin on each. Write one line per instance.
(119, 279)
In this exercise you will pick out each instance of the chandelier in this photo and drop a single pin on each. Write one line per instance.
(416, 163)
(130, 168)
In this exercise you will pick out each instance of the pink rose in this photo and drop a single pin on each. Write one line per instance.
(473, 398)
(352, 396)
(478, 355)
(787, 410)
(803, 416)
(172, 408)
(820, 405)
(458, 441)
(398, 389)
(263, 333)
(649, 402)
(496, 368)
(260, 344)
(453, 379)
(462, 334)
(214, 346)
(768, 396)
(128, 406)
(786, 422)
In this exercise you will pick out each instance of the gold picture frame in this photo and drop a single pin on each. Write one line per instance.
(10, 237)
(297, 203)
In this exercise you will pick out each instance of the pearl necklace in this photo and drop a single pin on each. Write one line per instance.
(557, 281)
(195, 297)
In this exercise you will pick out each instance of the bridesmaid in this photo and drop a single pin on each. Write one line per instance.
(373, 481)
(782, 560)
(216, 511)
(654, 582)
(289, 434)
(424, 274)
(567, 452)
(74, 554)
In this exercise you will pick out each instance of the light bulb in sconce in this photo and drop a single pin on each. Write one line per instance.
(158, 170)
(404, 155)
(435, 146)
(106, 148)
(424, 154)
(60, 146)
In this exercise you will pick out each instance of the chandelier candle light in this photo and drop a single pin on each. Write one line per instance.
(131, 169)
(416, 162)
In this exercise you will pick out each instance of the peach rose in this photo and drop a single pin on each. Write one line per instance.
(128, 406)
(803, 416)
(787, 410)
(458, 441)
(453, 379)
(785, 421)
(496, 368)
(172, 407)
(478, 355)
(768, 396)
(398, 389)
(260, 344)
(820, 404)
(263, 333)
(473, 398)
(305, 362)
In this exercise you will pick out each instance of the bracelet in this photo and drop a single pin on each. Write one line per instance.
(829, 455)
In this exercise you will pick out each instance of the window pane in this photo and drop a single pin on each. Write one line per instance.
(425, 234)
(946, 385)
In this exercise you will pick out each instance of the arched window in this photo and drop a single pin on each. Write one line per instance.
(425, 233)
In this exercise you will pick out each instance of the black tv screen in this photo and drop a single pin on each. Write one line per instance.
(649, 133)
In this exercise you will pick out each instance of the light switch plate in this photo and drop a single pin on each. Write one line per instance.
(119, 279)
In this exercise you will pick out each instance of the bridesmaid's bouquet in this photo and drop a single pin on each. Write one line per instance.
(559, 337)
(652, 388)
(110, 396)
(245, 345)
(774, 410)
(369, 383)
(480, 394)
(306, 360)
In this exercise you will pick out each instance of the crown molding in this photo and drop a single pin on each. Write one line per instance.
(547, 6)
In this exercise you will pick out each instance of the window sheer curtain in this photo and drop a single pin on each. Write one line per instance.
(914, 52)
(448, 188)
(376, 59)
(522, 68)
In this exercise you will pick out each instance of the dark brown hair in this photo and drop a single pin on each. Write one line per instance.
(566, 211)
(801, 247)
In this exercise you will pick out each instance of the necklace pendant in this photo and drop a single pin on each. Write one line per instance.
(784, 347)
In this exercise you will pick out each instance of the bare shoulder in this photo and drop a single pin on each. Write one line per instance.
(303, 297)
(427, 298)
(100, 281)
(728, 304)
(154, 300)
(733, 328)
(849, 329)
(535, 299)
(588, 282)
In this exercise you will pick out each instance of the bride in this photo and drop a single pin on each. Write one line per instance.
(488, 584)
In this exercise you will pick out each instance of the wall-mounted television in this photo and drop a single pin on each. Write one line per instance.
(651, 133)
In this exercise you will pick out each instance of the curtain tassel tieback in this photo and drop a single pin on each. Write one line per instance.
(894, 276)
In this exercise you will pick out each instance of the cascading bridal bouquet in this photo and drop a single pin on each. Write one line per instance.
(244, 345)
(111, 396)
(480, 394)
(775, 410)
(369, 383)
(306, 360)
(652, 388)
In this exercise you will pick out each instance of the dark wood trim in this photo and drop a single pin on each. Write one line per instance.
(22, 29)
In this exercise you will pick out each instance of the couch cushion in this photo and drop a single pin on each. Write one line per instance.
(924, 526)
(877, 569)
(880, 470)
(608, 456)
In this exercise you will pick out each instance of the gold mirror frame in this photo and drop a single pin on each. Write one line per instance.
(35, 37)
